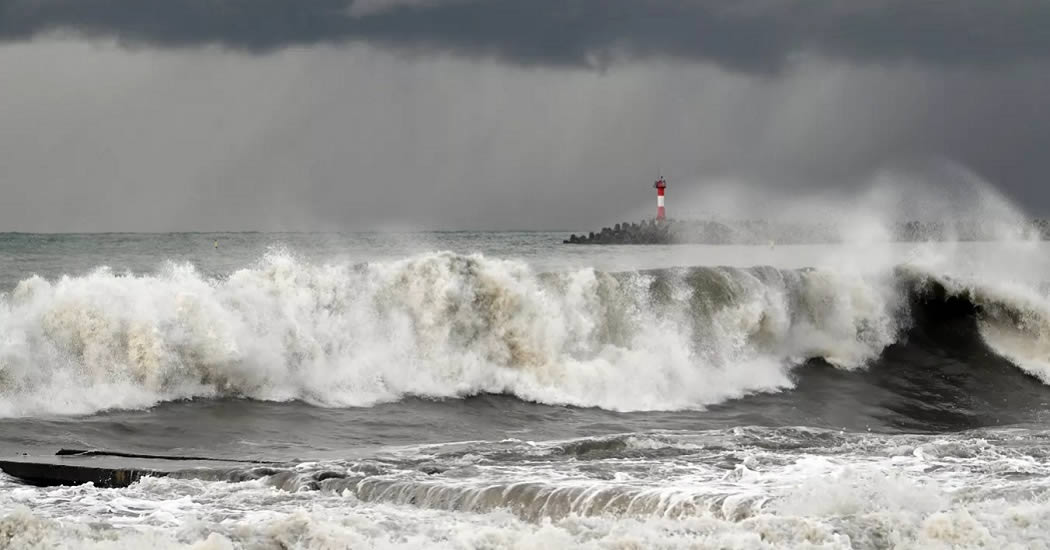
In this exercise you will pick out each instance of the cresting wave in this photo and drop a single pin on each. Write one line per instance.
(446, 325)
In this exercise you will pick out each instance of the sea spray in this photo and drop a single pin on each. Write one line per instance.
(435, 325)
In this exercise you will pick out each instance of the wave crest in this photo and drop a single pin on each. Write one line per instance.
(437, 325)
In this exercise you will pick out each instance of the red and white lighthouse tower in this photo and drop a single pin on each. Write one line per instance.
(660, 185)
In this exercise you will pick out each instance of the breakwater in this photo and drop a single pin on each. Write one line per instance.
(645, 232)
(764, 232)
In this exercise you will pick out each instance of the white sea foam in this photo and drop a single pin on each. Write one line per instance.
(866, 491)
(435, 325)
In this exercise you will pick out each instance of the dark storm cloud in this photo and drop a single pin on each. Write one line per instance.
(750, 35)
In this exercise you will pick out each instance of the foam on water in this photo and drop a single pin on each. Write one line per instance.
(434, 325)
(833, 491)
(445, 325)
(401, 323)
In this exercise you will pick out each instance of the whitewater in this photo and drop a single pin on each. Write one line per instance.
(466, 390)
(435, 325)
(446, 325)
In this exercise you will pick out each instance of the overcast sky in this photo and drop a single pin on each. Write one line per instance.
(157, 115)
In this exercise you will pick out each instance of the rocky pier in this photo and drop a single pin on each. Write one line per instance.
(758, 232)
(644, 232)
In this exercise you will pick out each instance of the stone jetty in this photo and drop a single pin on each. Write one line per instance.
(762, 232)
(645, 232)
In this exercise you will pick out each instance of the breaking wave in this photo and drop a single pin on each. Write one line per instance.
(443, 325)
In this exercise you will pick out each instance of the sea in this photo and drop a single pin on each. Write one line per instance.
(484, 390)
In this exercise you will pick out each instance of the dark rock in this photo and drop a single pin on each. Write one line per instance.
(44, 474)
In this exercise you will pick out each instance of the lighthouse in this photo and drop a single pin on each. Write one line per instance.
(660, 185)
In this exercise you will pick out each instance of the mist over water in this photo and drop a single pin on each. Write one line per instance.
(347, 322)
(500, 389)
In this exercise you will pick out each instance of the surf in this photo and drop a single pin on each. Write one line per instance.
(443, 325)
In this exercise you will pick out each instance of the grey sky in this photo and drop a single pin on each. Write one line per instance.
(738, 34)
(282, 114)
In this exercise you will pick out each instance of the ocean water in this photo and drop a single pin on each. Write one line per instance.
(502, 390)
